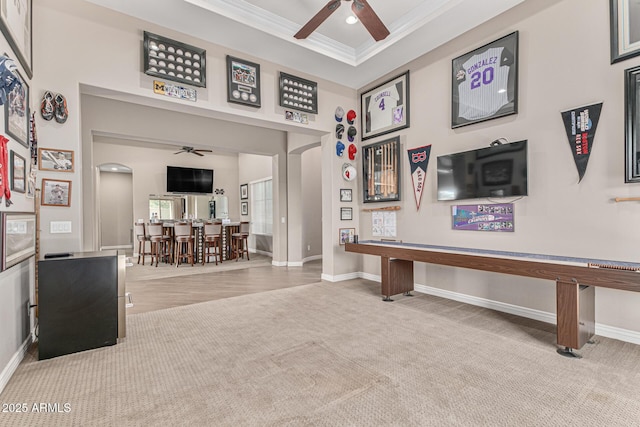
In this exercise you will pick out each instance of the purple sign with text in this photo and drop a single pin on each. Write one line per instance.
(498, 217)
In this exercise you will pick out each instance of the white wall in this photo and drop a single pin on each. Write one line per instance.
(564, 63)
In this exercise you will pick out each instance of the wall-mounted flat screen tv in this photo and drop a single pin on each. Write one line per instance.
(189, 180)
(496, 171)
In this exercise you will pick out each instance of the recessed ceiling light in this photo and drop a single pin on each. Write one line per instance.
(502, 90)
(351, 20)
(114, 169)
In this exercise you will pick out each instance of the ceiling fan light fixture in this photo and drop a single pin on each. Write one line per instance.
(351, 20)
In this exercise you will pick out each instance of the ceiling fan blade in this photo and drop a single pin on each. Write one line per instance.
(320, 17)
(369, 19)
(205, 151)
(178, 152)
(197, 154)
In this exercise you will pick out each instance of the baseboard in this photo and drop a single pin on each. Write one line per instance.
(13, 364)
(304, 260)
(294, 263)
(311, 258)
(260, 252)
(279, 263)
(102, 248)
(340, 277)
(620, 334)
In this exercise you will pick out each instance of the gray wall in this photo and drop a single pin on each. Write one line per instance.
(312, 203)
(116, 209)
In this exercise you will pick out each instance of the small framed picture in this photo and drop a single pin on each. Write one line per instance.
(16, 112)
(244, 208)
(18, 173)
(50, 159)
(346, 195)
(244, 191)
(243, 82)
(56, 192)
(346, 214)
(346, 235)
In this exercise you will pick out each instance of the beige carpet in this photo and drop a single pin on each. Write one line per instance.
(333, 354)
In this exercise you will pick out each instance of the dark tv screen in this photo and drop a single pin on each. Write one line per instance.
(189, 180)
(496, 171)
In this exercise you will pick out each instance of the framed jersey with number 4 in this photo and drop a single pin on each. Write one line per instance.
(385, 108)
(485, 82)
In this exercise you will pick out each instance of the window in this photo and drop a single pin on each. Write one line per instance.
(161, 208)
(261, 206)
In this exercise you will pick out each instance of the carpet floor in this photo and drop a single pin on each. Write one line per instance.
(331, 354)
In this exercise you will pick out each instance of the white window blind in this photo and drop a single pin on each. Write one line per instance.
(261, 206)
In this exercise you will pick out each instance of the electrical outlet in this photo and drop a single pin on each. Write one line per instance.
(308, 247)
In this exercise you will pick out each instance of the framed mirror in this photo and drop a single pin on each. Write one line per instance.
(632, 123)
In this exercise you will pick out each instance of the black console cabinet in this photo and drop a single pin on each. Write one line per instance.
(80, 302)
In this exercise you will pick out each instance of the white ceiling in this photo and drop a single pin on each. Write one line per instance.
(336, 51)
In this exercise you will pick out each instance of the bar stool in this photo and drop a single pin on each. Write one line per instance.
(240, 241)
(142, 237)
(160, 243)
(212, 239)
(183, 243)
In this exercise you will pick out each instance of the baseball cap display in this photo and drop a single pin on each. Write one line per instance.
(339, 114)
(352, 152)
(339, 130)
(348, 172)
(351, 133)
(351, 116)
(339, 148)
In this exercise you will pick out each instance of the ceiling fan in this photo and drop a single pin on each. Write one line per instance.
(197, 152)
(360, 8)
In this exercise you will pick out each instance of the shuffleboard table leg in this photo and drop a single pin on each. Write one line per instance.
(568, 352)
(408, 294)
(387, 298)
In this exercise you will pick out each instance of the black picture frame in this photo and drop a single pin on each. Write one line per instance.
(173, 60)
(244, 208)
(625, 29)
(16, 25)
(243, 82)
(346, 195)
(481, 91)
(632, 124)
(244, 191)
(381, 171)
(18, 173)
(298, 93)
(385, 108)
(346, 214)
(16, 112)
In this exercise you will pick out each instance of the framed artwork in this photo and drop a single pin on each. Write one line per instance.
(244, 208)
(15, 24)
(18, 233)
(56, 192)
(346, 235)
(18, 173)
(50, 159)
(244, 191)
(385, 108)
(346, 214)
(632, 124)
(174, 60)
(625, 29)
(298, 93)
(243, 82)
(485, 82)
(16, 112)
(346, 195)
(381, 171)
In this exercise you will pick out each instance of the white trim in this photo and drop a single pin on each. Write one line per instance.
(269, 178)
(13, 364)
(613, 332)
(294, 263)
(340, 277)
(279, 263)
(116, 247)
(311, 258)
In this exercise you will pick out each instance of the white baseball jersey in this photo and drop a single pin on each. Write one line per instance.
(482, 91)
(381, 107)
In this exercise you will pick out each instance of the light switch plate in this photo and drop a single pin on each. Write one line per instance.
(60, 227)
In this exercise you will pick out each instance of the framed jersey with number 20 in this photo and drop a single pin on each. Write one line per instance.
(485, 82)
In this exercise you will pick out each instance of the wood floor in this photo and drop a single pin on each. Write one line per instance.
(155, 288)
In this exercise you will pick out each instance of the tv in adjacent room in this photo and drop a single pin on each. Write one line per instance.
(189, 180)
(495, 171)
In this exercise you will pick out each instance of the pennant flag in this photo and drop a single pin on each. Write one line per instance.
(418, 160)
(580, 124)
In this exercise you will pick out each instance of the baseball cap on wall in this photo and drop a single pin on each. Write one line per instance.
(339, 148)
(351, 116)
(352, 152)
(348, 172)
(339, 114)
(339, 130)
(351, 133)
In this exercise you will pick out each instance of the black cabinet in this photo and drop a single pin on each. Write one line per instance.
(80, 302)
